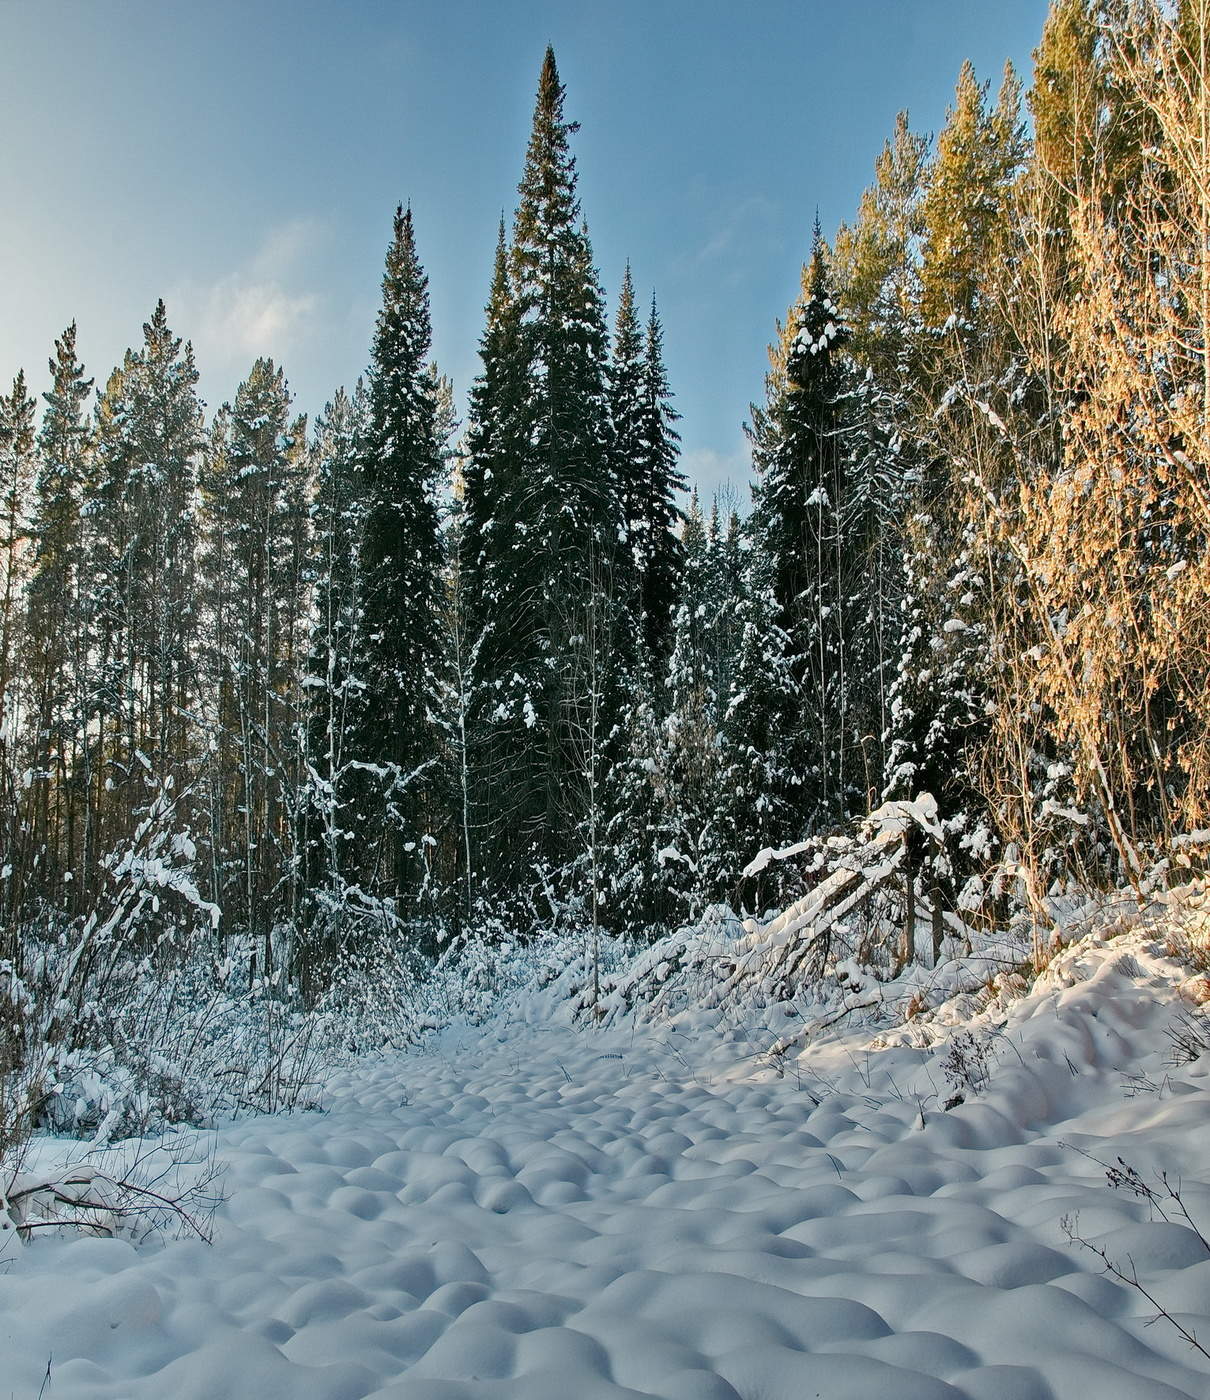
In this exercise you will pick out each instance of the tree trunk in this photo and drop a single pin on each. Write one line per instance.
(938, 925)
(907, 951)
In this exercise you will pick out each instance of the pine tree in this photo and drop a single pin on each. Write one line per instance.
(1067, 97)
(1090, 137)
(394, 737)
(1092, 129)
(114, 689)
(17, 472)
(141, 554)
(18, 466)
(138, 684)
(54, 629)
(297, 575)
(249, 505)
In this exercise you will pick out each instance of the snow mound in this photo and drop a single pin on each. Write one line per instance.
(519, 1212)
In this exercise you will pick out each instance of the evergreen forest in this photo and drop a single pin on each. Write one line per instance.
(303, 710)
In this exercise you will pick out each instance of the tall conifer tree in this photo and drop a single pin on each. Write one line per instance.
(645, 452)
(542, 506)
(56, 645)
(17, 471)
(394, 736)
(802, 525)
(626, 414)
(149, 439)
(18, 467)
(337, 516)
(498, 442)
(249, 501)
(657, 544)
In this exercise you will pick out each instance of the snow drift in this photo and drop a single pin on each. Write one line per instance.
(524, 1210)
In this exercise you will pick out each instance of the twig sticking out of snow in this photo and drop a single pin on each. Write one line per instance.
(86, 1199)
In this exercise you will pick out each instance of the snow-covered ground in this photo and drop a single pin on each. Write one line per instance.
(519, 1212)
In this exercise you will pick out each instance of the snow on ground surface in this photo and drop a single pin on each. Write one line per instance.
(526, 1213)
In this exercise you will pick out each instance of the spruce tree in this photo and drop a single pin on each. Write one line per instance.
(967, 361)
(542, 511)
(645, 452)
(696, 705)
(802, 525)
(394, 737)
(668, 844)
(878, 277)
(722, 590)
(497, 447)
(761, 780)
(690, 671)
(936, 704)
(657, 543)
(572, 521)
(635, 843)
(330, 685)
(644, 860)
(968, 358)
(626, 414)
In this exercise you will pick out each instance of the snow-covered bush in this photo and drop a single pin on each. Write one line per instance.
(138, 1016)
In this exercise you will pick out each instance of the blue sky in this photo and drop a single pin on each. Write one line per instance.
(243, 160)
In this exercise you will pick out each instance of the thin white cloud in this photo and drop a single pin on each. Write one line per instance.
(242, 318)
(724, 473)
(259, 308)
(287, 245)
